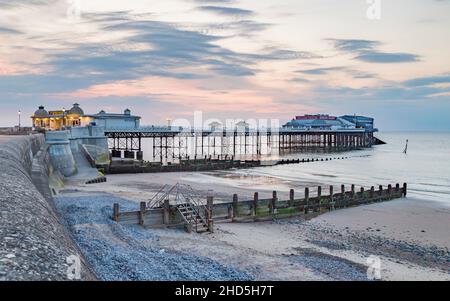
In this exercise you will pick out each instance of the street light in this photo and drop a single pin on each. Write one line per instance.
(63, 119)
(19, 113)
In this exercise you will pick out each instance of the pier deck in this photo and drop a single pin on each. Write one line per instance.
(176, 142)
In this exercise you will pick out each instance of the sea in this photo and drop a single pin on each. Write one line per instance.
(425, 167)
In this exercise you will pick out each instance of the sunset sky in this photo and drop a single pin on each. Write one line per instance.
(229, 59)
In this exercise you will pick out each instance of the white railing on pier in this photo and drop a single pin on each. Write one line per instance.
(176, 129)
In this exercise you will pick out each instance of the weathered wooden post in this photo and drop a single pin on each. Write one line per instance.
(115, 216)
(306, 200)
(235, 206)
(319, 196)
(362, 195)
(405, 190)
(230, 211)
(343, 202)
(211, 225)
(397, 189)
(273, 203)
(390, 191)
(380, 192)
(331, 197)
(255, 204)
(143, 206)
(353, 191)
(209, 212)
(372, 193)
(166, 212)
(291, 198)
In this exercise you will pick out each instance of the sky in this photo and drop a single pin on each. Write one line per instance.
(259, 59)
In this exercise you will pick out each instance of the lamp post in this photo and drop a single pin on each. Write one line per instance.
(63, 127)
(19, 113)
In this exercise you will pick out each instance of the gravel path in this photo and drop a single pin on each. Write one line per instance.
(119, 252)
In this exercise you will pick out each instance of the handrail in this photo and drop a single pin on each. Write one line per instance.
(183, 199)
(156, 198)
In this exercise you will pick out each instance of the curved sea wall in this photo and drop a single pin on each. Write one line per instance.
(34, 245)
(61, 153)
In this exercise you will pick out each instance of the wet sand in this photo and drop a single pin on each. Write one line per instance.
(410, 236)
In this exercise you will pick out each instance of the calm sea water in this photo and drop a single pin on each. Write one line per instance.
(425, 167)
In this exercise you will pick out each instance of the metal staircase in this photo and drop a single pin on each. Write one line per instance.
(195, 214)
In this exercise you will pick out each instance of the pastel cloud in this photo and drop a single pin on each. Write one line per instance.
(222, 56)
(226, 11)
(366, 50)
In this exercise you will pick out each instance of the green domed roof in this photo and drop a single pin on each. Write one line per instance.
(41, 112)
(76, 110)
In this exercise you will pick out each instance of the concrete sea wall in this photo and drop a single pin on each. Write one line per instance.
(60, 152)
(34, 245)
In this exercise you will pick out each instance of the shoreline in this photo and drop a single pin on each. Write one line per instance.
(408, 235)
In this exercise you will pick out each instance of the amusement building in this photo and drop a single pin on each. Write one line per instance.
(75, 117)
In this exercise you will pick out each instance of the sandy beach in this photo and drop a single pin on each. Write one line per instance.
(409, 236)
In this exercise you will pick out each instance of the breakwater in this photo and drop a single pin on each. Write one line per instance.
(257, 209)
(34, 245)
(134, 166)
(121, 166)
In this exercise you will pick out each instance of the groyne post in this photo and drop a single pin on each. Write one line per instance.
(380, 191)
(291, 198)
(230, 211)
(255, 204)
(166, 208)
(273, 203)
(209, 202)
(390, 191)
(306, 200)
(209, 213)
(319, 196)
(372, 193)
(115, 212)
(235, 206)
(331, 197)
(143, 206)
(353, 191)
(397, 188)
(405, 189)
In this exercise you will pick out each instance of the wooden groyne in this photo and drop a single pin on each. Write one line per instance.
(205, 164)
(259, 209)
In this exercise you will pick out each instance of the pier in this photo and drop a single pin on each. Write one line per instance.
(177, 143)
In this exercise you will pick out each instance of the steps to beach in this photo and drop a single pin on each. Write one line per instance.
(192, 218)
